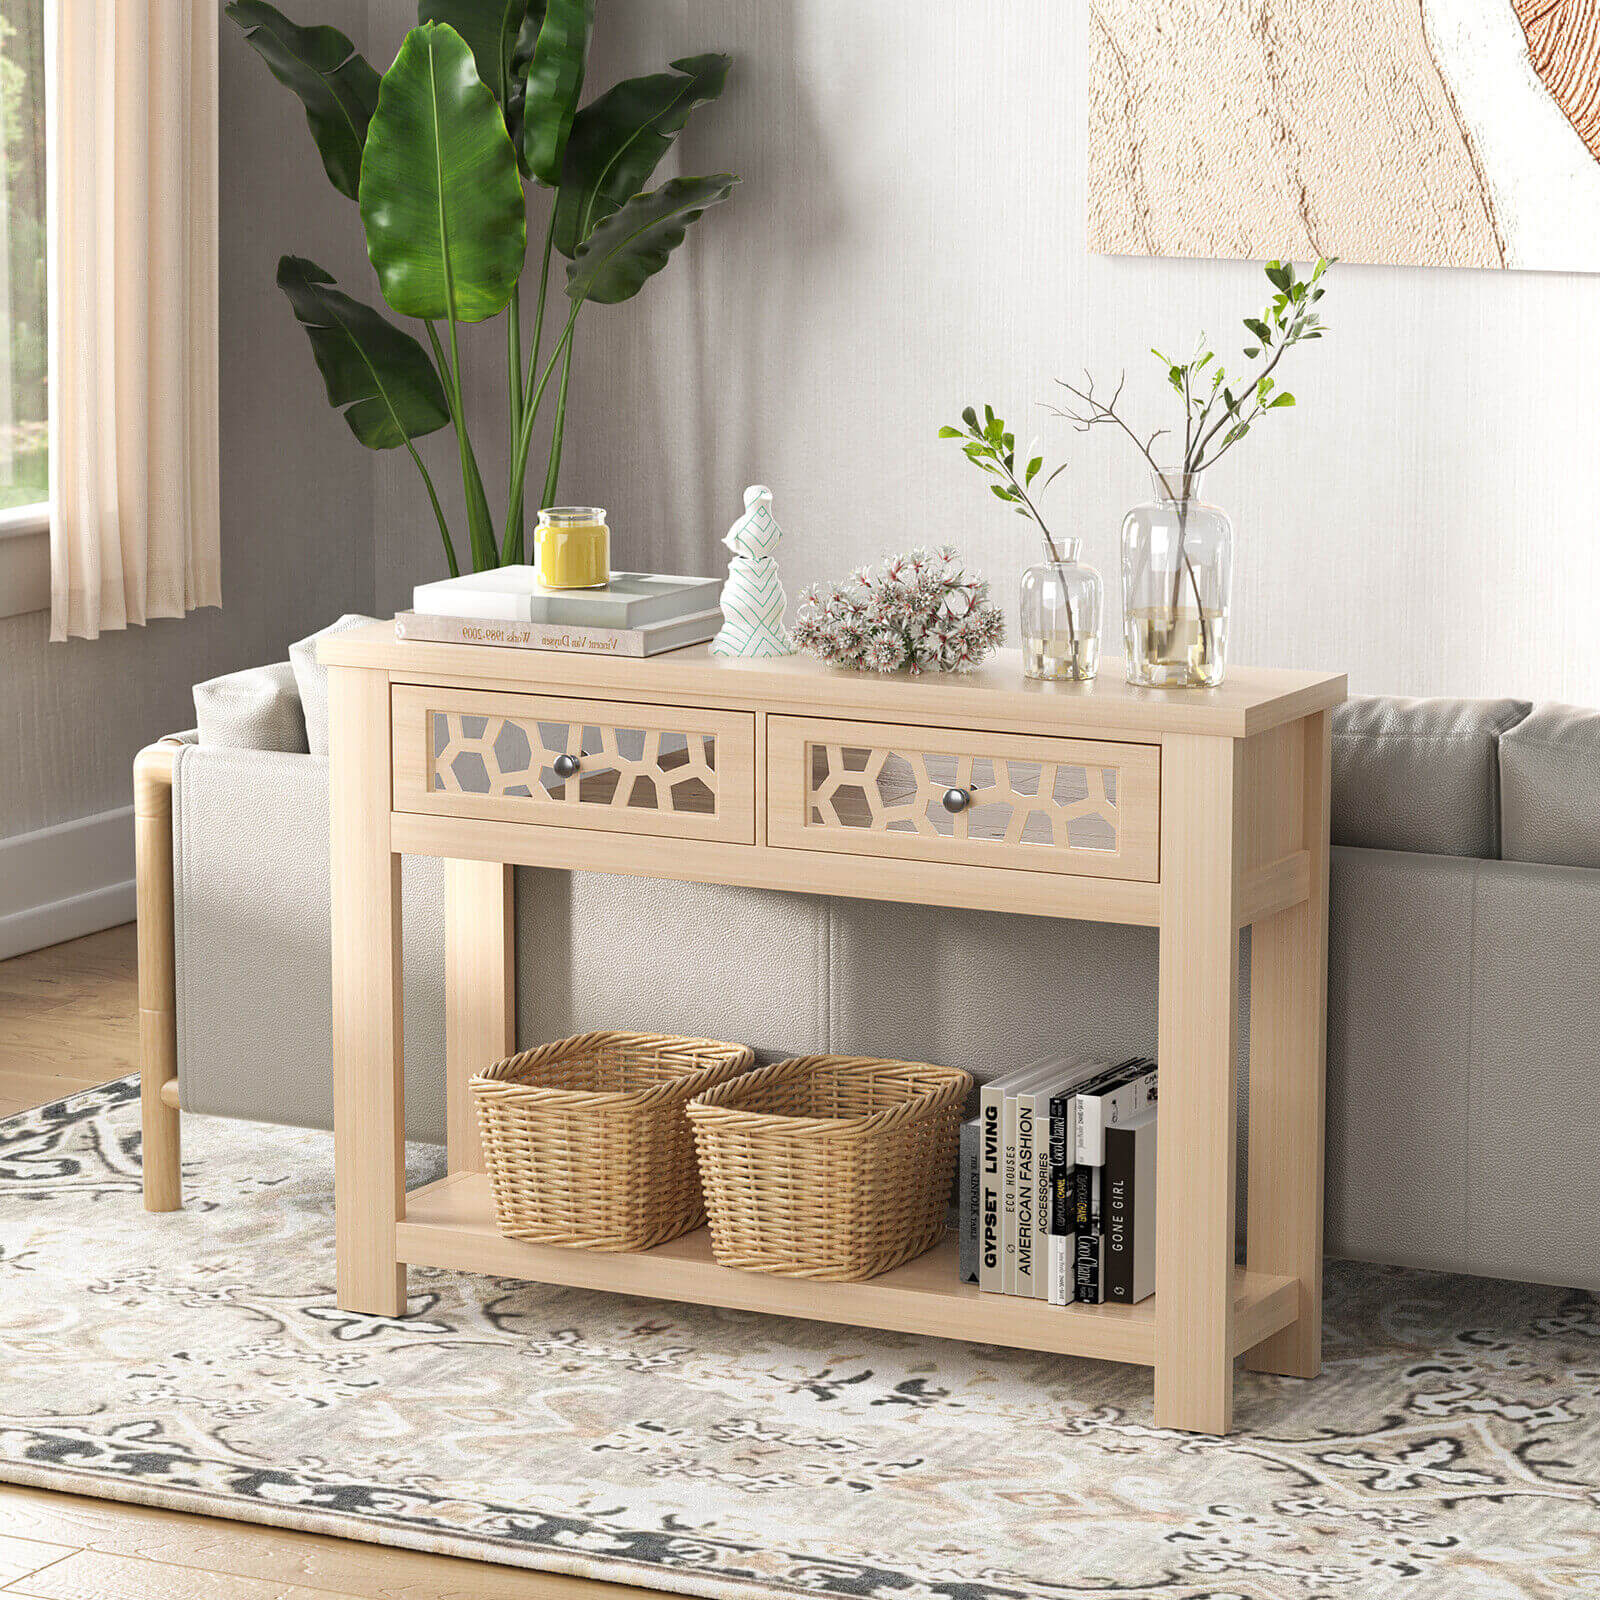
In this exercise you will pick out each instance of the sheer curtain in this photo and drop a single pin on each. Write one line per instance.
(134, 525)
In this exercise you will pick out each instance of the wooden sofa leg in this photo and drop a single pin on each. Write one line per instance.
(158, 1006)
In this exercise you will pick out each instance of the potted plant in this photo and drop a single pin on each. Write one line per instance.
(439, 153)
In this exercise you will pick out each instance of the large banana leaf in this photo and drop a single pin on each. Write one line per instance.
(554, 82)
(619, 139)
(490, 28)
(382, 377)
(335, 83)
(441, 198)
(633, 244)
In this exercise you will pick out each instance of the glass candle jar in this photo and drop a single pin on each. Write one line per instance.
(573, 547)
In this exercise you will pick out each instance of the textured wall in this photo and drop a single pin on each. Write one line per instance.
(296, 508)
(1439, 133)
(910, 235)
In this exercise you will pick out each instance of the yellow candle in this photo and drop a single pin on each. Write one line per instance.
(573, 546)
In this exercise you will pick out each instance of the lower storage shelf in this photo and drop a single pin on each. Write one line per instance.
(451, 1224)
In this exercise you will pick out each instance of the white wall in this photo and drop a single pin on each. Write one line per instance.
(909, 237)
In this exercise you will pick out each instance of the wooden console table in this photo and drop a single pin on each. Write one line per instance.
(1196, 812)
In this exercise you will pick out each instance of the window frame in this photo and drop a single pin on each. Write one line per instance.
(25, 530)
(25, 559)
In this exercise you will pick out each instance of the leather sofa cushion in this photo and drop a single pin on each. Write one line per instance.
(1549, 784)
(1420, 775)
(312, 677)
(257, 709)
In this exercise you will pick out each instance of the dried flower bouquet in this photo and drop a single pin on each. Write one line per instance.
(916, 612)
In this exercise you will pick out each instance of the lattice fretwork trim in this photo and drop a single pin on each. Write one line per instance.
(669, 775)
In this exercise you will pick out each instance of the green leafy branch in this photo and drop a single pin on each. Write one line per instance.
(992, 448)
(1217, 411)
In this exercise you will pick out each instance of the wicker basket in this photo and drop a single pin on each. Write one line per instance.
(829, 1166)
(585, 1140)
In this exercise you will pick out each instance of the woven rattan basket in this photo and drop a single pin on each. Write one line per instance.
(829, 1166)
(585, 1140)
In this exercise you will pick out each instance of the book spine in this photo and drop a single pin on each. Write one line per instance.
(1026, 1280)
(1060, 1193)
(991, 1106)
(1121, 1150)
(968, 1181)
(1086, 1202)
(1008, 1196)
(1042, 1193)
(520, 635)
(1087, 1275)
(1062, 1252)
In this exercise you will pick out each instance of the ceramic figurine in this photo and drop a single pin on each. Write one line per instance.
(753, 601)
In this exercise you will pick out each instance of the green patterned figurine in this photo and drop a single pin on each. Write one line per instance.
(753, 601)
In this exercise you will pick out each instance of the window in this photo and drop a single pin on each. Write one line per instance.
(24, 385)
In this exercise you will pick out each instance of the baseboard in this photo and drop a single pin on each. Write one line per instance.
(63, 882)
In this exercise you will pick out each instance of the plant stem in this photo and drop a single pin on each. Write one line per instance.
(481, 535)
(527, 407)
(519, 460)
(1051, 550)
(511, 543)
(444, 527)
(559, 432)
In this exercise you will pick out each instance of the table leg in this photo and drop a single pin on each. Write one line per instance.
(1196, 1132)
(161, 1141)
(1288, 1043)
(368, 1041)
(480, 992)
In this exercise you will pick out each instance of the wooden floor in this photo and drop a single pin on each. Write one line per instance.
(68, 1020)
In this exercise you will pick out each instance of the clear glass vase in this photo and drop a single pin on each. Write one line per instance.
(1061, 618)
(1177, 580)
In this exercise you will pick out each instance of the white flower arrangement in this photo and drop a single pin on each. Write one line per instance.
(917, 612)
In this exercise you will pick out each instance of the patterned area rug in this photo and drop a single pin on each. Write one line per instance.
(198, 1361)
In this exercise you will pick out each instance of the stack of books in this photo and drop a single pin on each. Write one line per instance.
(636, 614)
(1056, 1188)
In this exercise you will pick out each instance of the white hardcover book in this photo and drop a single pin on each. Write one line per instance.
(1038, 1100)
(1039, 1072)
(991, 1176)
(1033, 1154)
(1132, 1092)
(1061, 1255)
(514, 594)
(652, 639)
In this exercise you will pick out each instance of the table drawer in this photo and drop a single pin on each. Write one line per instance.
(1043, 804)
(672, 770)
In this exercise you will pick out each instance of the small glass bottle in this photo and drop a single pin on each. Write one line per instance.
(1061, 618)
(573, 547)
(1177, 580)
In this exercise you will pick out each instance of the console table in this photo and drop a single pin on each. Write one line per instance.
(1195, 812)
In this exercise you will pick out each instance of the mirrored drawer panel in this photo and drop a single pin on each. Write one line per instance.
(575, 763)
(1039, 803)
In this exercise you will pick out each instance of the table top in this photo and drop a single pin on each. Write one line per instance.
(1250, 701)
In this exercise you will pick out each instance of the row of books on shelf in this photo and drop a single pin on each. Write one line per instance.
(1057, 1183)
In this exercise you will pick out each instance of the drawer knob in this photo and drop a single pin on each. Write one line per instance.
(957, 799)
(565, 766)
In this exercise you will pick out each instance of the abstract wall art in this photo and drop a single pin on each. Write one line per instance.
(1459, 133)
